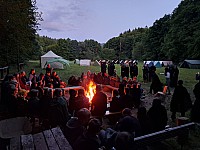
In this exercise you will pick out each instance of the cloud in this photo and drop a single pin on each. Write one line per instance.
(62, 15)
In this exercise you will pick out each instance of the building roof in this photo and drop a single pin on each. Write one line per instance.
(50, 54)
(193, 62)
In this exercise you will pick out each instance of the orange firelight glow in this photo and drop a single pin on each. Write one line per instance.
(90, 90)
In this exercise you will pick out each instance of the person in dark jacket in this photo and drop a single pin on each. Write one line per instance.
(181, 101)
(144, 121)
(115, 103)
(134, 70)
(99, 103)
(157, 115)
(89, 139)
(156, 85)
(195, 112)
(77, 125)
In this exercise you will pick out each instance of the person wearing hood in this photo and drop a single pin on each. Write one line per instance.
(77, 125)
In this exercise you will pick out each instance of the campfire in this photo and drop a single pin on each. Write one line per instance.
(90, 90)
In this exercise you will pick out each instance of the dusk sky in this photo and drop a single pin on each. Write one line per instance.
(99, 20)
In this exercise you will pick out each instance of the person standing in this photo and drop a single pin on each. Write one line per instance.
(175, 76)
(99, 103)
(123, 70)
(134, 70)
(181, 101)
(103, 67)
(49, 69)
(167, 77)
(156, 85)
(127, 69)
(157, 115)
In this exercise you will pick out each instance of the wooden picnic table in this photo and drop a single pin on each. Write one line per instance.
(52, 139)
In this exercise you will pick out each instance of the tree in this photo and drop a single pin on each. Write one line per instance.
(19, 22)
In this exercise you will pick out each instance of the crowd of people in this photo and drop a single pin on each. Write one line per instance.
(81, 121)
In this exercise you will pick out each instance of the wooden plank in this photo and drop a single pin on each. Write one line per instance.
(60, 139)
(162, 135)
(50, 140)
(15, 143)
(27, 142)
(39, 141)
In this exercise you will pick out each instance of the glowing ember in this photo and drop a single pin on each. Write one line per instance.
(90, 90)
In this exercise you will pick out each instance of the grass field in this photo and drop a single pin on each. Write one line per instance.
(187, 75)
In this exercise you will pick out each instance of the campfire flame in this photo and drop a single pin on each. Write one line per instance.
(90, 90)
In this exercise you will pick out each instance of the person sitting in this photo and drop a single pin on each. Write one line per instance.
(124, 141)
(89, 139)
(58, 111)
(34, 104)
(115, 103)
(77, 125)
(23, 80)
(72, 100)
(144, 120)
(128, 123)
(49, 69)
(55, 80)
(81, 100)
(48, 79)
(157, 115)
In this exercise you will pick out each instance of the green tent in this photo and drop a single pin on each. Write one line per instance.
(58, 60)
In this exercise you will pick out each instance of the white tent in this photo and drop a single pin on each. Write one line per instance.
(85, 62)
(48, 57)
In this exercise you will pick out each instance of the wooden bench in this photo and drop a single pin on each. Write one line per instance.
(149, 139)
(52, 139)
(113, 117)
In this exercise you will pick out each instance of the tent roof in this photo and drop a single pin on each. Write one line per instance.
(50, 54)
(193, 62)
(60, 60)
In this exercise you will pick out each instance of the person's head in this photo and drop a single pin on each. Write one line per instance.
(156, 102)
(180, 82)
(53, 73)
(48, 66)
(81, 92)
(72, 93)
(32, 71)
(126, 112)
(124, 141)
(94, 126)
(58, 92)
(23, 73)
(141, 111)
(115, 93)
(134, 79)
(83, 115)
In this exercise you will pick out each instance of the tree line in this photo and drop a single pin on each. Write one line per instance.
(175, 37)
